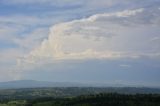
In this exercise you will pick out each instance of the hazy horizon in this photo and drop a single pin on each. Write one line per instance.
(29, 83)
(96, 41)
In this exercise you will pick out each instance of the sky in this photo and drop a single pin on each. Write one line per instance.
(98, 41)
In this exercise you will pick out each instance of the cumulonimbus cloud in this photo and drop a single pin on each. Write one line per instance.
(109, 35)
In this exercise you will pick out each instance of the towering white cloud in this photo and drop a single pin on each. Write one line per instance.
(110, 35)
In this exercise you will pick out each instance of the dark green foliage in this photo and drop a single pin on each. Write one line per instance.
(80, 97)
(102, 99)
(111, 99)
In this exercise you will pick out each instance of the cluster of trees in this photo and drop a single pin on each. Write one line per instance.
(102, 99)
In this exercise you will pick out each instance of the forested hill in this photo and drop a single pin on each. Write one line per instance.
(80, 96)
(102, 99)
(30, 93)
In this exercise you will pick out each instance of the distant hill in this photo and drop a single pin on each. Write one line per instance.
(35, 84)
(38, 84)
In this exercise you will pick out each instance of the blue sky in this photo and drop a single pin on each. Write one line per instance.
(104, 41)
